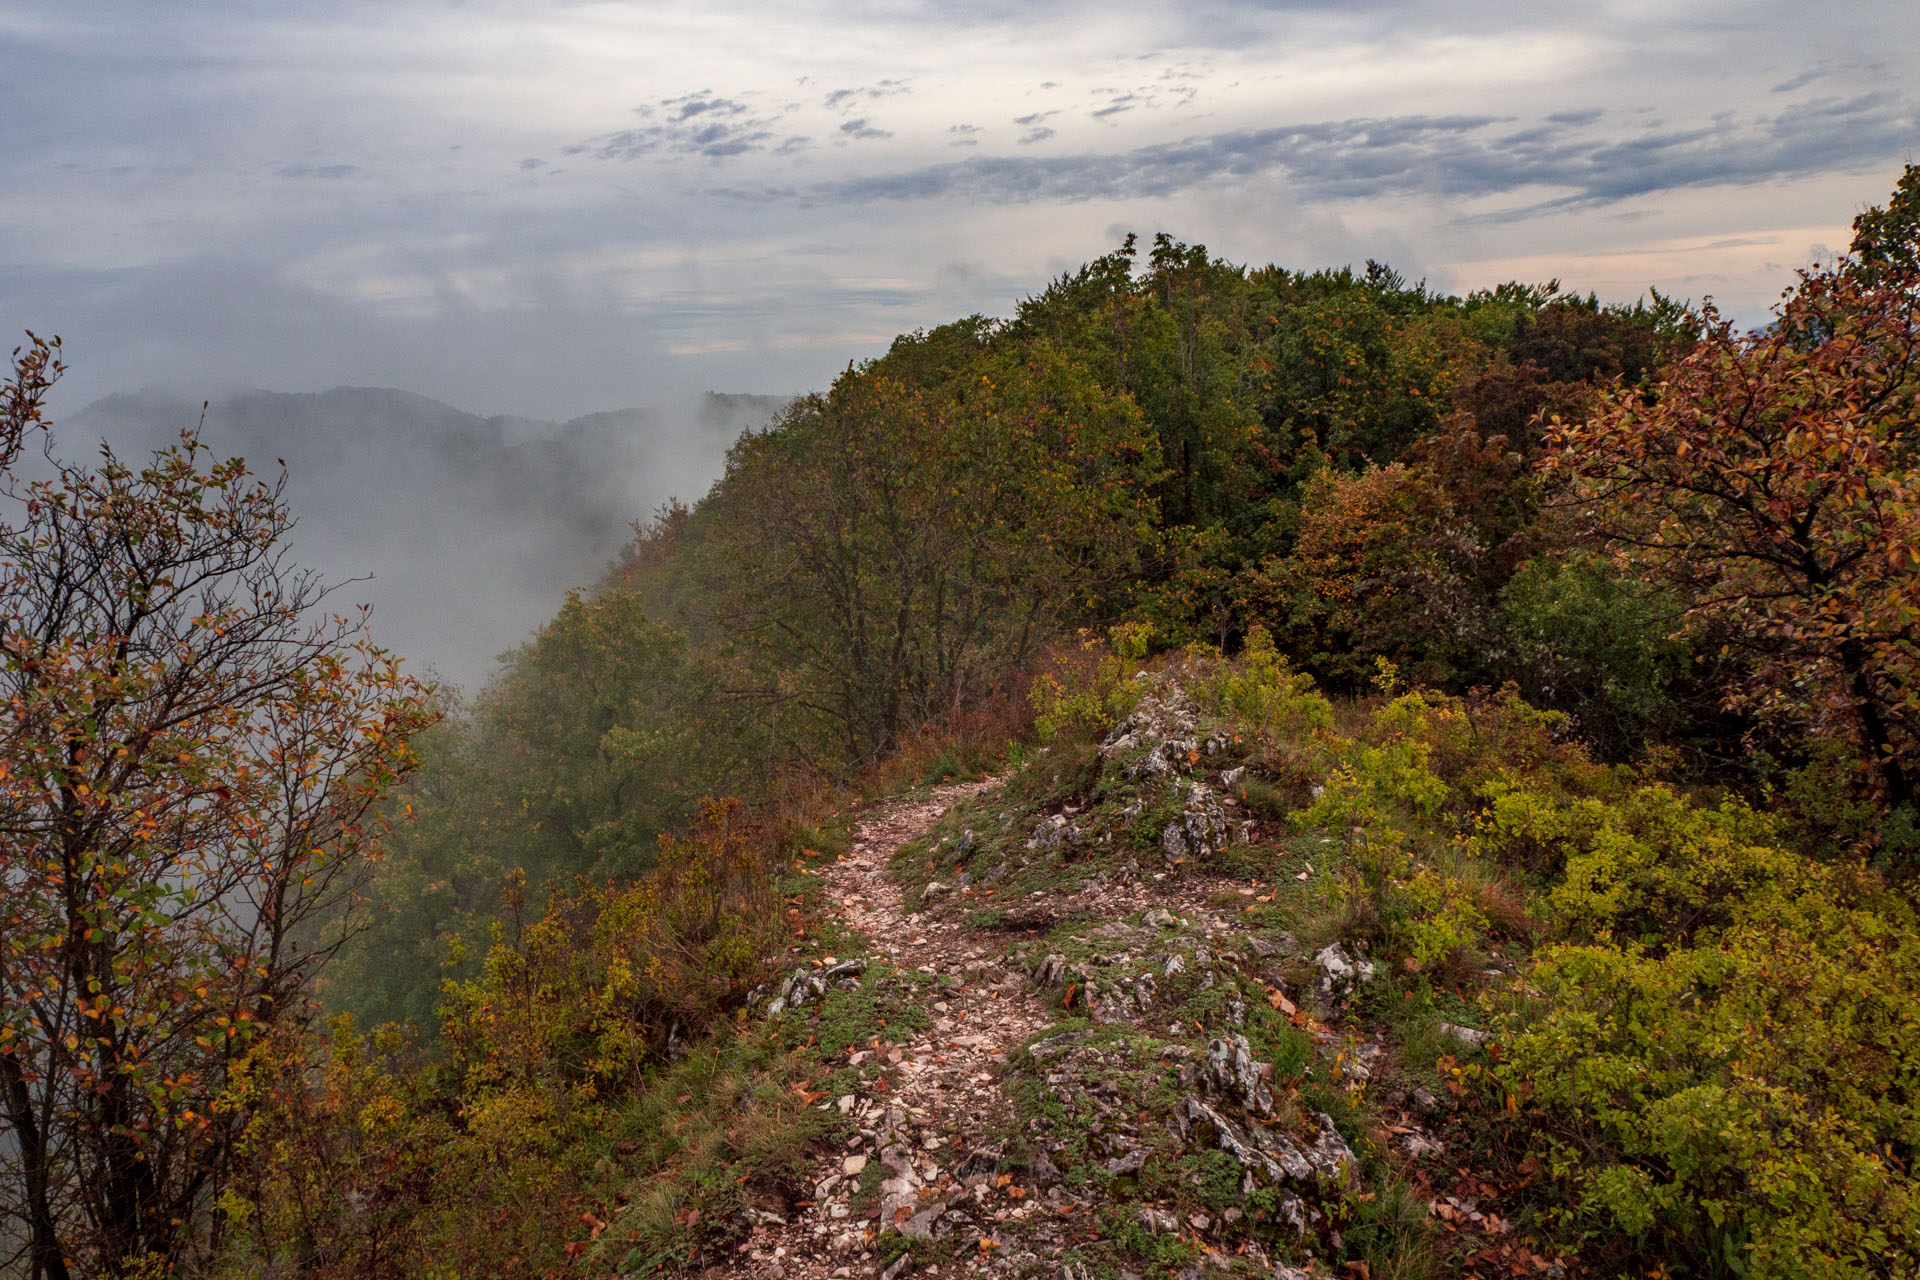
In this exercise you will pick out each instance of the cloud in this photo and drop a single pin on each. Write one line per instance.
(1036, 135)
(860, 128)
(1458, 156)
(844, 99)
(461, 531)
(317, 171)
(700, 123)
(702, 104)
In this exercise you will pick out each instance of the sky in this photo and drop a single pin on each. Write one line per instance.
(548, 209)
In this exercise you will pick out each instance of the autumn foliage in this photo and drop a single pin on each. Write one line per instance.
(1771, 478)
(191, 764)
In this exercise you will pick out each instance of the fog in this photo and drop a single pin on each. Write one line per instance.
(464, 531)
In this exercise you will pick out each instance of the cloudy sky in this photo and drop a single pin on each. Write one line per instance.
(549, 208)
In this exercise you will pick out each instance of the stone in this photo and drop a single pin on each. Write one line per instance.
(1161, 1222)
(1054, 1046)
(1276, 1155)
(1231, 778)
(796, 991)
(1048, 834)
(1145, 991)
(845, 969)
(1127, 1165)
(1160, 918)
(920, 1225)
(1204, 823)
(1465, 1035)
(934, 890)
(1419, 1146)
(1051, 973)
(1340, 973)
(1233, 1071)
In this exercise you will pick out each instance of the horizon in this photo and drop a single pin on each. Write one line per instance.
(545, 210)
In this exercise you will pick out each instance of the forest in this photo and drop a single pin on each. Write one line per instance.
(1566, 655)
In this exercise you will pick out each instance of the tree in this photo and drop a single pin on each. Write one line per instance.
(191, 759)
(889, 551)
(1886, 238)
(1382, 566)
(1771, 477)
(587, 741)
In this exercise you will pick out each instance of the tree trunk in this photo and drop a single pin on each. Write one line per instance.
(48, 1263)
(1874, 727)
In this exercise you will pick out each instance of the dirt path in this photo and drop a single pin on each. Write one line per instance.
(929, 1134)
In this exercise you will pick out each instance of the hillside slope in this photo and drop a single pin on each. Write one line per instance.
(1140, 1047)
(1231, 980)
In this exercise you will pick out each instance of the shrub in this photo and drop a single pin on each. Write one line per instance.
(1720, 1069)
(1265, 693)
(1083, 699)
(1445, 921)
(1744, 1106)
(1597, 646)
(1650, 867)
(609, 977)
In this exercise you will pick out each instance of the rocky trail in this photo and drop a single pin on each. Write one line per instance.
(1110, 1055)
(930, 1131)
(933, 1133)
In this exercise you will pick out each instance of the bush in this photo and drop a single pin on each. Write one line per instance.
(1745, 1106)
(1265, 693)
(1722, 1072)
(1596, 646)
(369, 1161)
(1082, 699)
(609, 977)
(1650, 868)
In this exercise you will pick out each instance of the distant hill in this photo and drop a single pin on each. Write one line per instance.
(471, 528)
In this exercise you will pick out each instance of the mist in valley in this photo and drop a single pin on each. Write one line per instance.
(463, 532)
